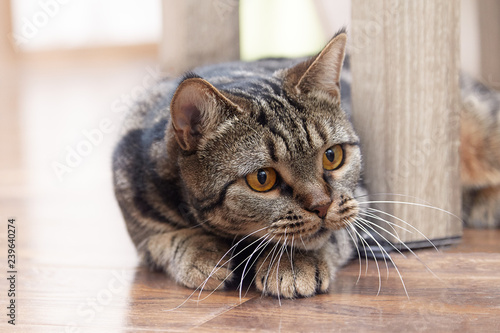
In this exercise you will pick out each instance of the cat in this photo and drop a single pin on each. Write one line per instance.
(249, 169)
(480, 154)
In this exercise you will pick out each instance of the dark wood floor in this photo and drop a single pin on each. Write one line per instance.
(77, 269)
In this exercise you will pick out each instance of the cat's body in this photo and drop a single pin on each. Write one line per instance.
(256, 154)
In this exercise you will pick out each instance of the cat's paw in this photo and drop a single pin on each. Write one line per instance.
(302, 275)
(203, 265)
(193, 259)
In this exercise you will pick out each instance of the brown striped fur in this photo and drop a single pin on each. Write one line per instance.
(180, 175)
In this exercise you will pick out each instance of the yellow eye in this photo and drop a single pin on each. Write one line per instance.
(333, 158)
(262, 180)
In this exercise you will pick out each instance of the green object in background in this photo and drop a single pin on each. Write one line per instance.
(279, 28)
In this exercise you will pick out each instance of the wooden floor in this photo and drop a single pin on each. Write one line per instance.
(77, 269)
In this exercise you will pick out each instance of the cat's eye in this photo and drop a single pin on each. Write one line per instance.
(333, 158)
(262, 180)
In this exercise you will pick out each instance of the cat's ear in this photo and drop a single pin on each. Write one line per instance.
(196, 108)
(321, 73)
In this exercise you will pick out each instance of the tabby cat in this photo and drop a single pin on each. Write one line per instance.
(251, 168)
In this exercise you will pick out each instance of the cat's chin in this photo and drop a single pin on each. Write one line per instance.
(314, 241)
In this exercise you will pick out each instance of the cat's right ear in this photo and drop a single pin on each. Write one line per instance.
(321, 73)
(196, 108)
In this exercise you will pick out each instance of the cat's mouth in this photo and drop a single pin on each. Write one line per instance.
(309, 234)
(306, 234)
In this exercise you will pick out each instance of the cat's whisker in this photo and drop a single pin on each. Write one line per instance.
(388, 255)
(392, 261)
(234, 247)
(371, 225)
(302, 240)
(271, 262)
(373, 254)
(239, 265)
(274, 256)
(218, 266)
(231, 250)
(406, 223)
(263, 247)
(392, 225)
(411, 204)
(183, 302)
(362, 221)
(367, 216)
(349, 226)
(291, 255)
(356, 233)
(281, 252)
(248, 259)
(407, 248)
(370, 195)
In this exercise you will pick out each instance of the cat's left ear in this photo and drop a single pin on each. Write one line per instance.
(321, 73)
(197, 108)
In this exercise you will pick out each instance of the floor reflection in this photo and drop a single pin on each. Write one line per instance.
(156, 301)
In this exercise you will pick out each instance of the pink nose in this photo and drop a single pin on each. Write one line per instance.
(321, 210)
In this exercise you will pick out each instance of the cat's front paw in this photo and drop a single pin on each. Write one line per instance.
(302, 275)
(192, 258)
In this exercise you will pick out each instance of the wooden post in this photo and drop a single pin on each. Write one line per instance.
(197, 32)
(405, 96)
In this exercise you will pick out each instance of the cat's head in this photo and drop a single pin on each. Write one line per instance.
(281, 160)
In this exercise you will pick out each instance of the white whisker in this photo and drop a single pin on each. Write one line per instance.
(392, 194)
(355, 232)
(247, 260)
(291, 255)
(391, 224)
(412, 204)
(231, 249)
(271, 261)
(390, 258)
(362, 221)
(264, 246)
(405, 246)
(348, 226)
(282, 250)
(218, 267)
(374, 257)
(406, 223)
(371, 225)
(302, 240)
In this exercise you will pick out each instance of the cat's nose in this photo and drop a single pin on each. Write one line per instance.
(321, 210)
(316, 200)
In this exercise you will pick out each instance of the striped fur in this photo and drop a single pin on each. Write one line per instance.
(480, 154)
(181, 165)
(180, 168)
